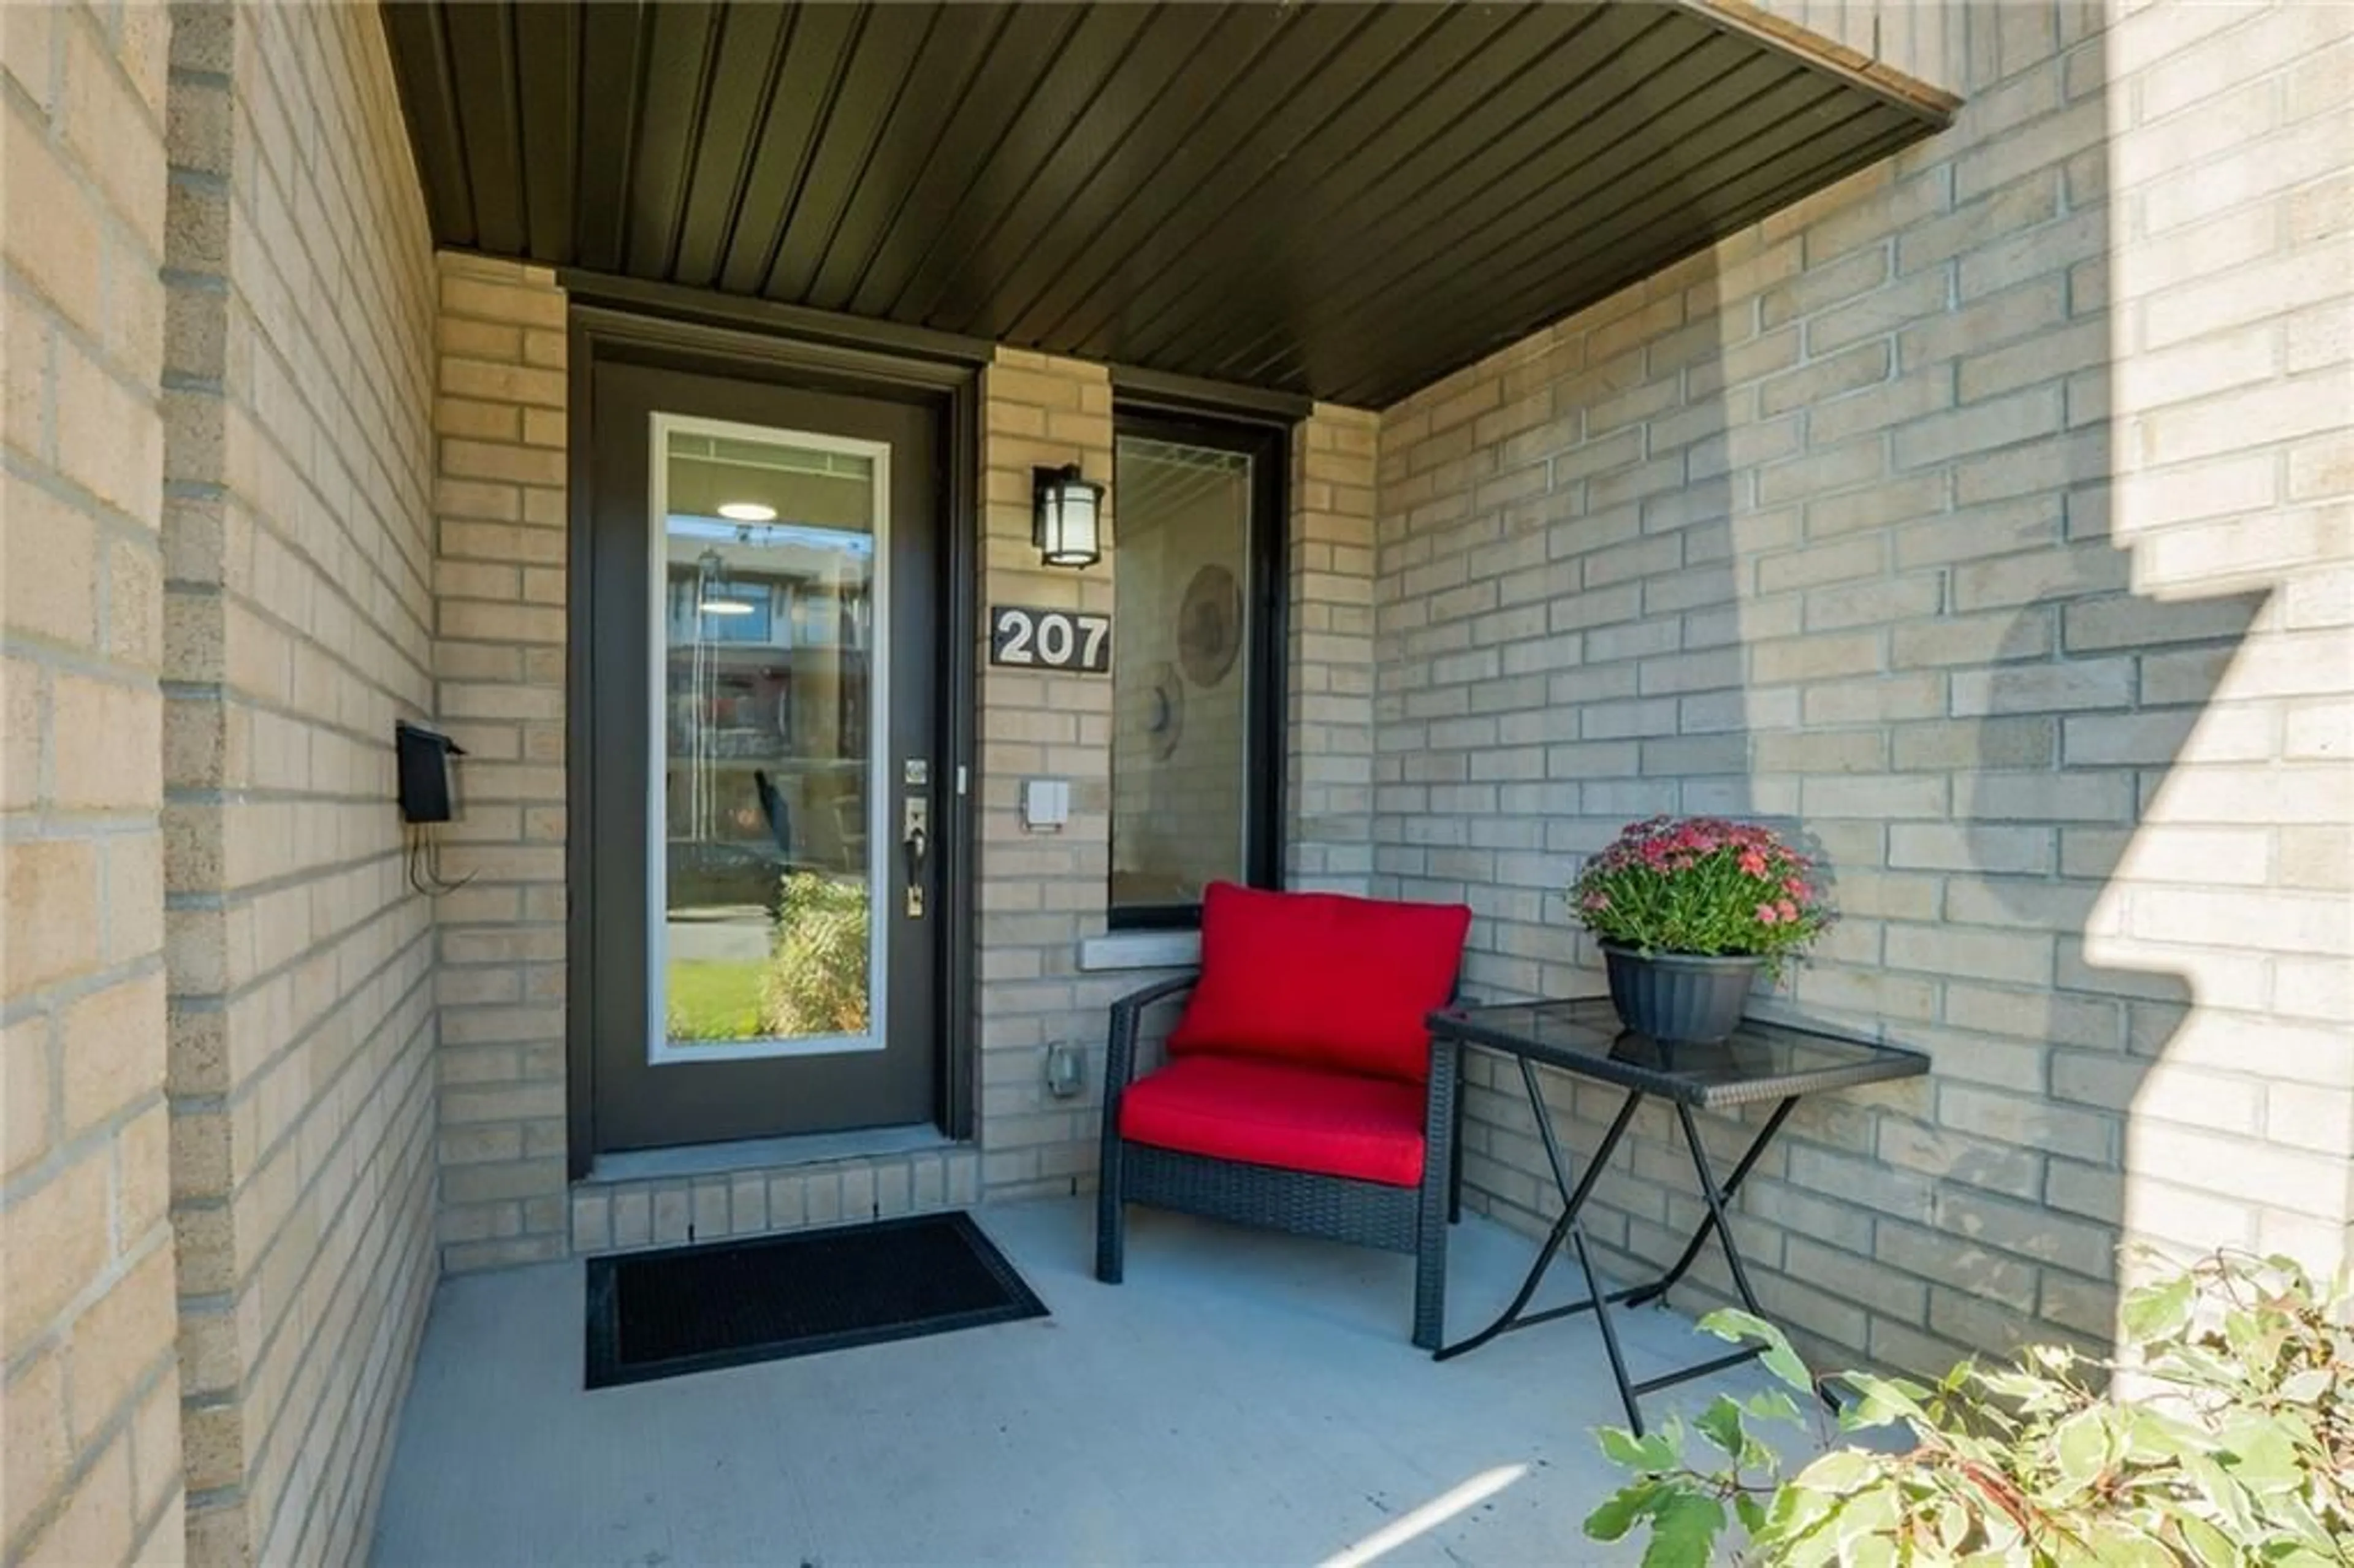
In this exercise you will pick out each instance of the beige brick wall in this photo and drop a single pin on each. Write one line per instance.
(2229, 409)
(1987, 519)
(1328, 828)
(499, 664)
(89, 1404)
(670, 1211)
(298, 624)
(1039, 894)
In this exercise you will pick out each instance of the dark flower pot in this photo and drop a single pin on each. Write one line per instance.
(1680, 997)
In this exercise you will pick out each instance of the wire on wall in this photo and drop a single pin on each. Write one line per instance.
(424, 862)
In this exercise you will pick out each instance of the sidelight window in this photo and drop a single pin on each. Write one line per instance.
(1196, 766)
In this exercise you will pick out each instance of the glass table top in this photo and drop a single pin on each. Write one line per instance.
(1760, 1061)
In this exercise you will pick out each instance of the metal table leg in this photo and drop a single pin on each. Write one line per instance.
(1599, 1301)
(1626, 1391)
(1715, 1220)
(1573, 1199)
(1716, 1201)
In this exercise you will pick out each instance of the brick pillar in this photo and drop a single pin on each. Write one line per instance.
(1039, 894)
(89, 1410)
(499, 661)
(1328, 830)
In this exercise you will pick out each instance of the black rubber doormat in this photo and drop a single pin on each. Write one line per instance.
(695, 1309)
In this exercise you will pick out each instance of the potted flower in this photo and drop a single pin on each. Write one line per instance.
(1690, 909)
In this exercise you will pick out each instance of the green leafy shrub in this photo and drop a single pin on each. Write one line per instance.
(1701, 885)
(2231, 1441)
(815, 982)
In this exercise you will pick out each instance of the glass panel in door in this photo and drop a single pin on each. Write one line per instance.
(767, 851)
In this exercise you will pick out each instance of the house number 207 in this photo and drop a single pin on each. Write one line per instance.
(1049, 639)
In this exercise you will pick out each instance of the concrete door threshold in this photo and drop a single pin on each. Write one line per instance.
(763, 1153)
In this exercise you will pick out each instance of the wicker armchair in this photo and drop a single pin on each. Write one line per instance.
(1383, 1213)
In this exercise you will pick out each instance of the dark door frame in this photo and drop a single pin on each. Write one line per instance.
(1267, 555)
(727, 340)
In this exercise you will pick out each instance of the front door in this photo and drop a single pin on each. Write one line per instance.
(763, 695)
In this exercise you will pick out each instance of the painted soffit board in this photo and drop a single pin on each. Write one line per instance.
(1338, 201)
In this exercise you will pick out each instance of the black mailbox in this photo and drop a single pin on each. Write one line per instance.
(425, 753)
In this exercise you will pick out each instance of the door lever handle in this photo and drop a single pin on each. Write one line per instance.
(916, 842)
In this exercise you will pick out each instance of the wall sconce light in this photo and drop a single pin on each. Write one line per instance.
(1066, 516)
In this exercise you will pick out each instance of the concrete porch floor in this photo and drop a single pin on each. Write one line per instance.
(1244, 1398)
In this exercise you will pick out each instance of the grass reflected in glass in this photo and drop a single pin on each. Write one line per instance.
(712, 998)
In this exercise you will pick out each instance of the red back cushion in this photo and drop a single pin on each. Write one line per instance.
(1322, 980)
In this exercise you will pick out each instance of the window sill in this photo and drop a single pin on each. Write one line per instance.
(1140, 951)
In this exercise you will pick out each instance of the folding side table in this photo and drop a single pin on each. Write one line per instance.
(1582, 1037)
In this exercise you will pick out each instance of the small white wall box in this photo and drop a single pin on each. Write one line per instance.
(1045, 802)
(1066, 1070)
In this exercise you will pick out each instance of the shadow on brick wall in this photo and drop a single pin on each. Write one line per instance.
(1827, 541)
(2075, 743)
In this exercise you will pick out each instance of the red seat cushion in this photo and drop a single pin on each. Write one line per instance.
(1276, 1113)
(1322, 980)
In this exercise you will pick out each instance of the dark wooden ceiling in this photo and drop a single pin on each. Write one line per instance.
(1341, 200)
